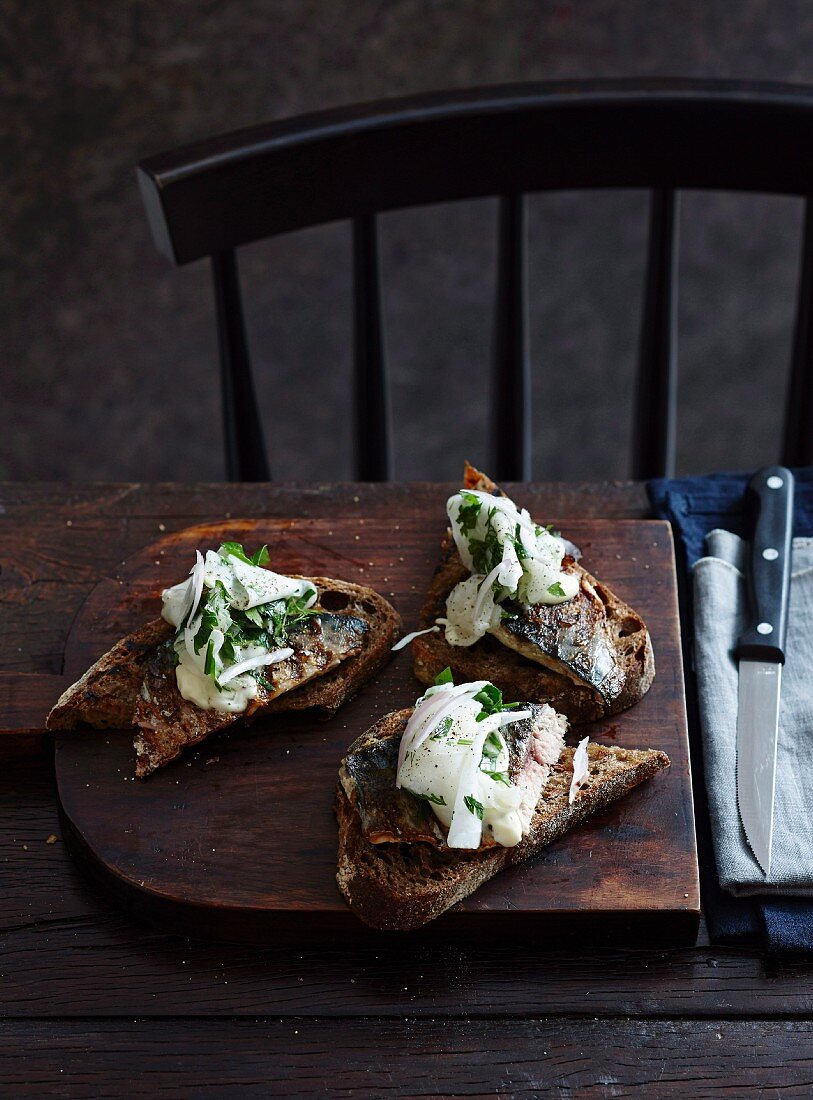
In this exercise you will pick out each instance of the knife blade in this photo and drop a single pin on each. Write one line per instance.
(761, 654)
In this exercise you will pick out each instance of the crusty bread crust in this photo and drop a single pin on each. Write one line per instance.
(105, 697)
(518, 677)
(403, 886)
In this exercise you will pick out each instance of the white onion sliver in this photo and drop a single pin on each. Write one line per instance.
(411, 637)
(189, 632)
(197, 583)
(429, 713)
(581, 768)
(484, 591)
(506, 718)
(466, 828)
(254, 662)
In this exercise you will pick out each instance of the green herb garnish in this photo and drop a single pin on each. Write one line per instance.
(468, 513)
(500, 777)
(473, 806)
(486, 553)
(442, 729)
(444, 677)
(282, 617)
(266, 626)
(435, 799)
(493, 746)
(490, 699)
(235, 550)
(556, 589)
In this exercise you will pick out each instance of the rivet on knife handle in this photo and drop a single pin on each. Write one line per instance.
(770, 495)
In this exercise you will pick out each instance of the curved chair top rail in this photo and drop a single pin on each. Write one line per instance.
(354, 161)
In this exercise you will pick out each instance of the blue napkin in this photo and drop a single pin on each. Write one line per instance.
(694, 506)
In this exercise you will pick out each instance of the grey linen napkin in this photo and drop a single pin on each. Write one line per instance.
(720, 613)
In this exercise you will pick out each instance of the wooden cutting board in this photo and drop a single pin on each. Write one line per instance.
(238, 840)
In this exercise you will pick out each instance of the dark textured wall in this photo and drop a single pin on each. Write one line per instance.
(109, 366)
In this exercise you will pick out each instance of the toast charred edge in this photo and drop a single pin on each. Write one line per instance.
(517, 676)
(401, 887)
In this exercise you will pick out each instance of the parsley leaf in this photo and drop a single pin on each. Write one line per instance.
(486, 552)
(444, 677)
(209, 664)
(235, 550)
(442, 729)
(282, 616)
(493, 746)
(473, 806)
(468, 512)
(500, 777)
(522, 553)
(435, 799)
(556, 589)
(490, 699)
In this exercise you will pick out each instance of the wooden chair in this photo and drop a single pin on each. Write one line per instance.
(353, 163)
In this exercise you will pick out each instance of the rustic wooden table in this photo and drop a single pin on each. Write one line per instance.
(95, 1004)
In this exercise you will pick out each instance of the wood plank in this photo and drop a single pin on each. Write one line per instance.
(197, 845)
(67, 951)
(25, 699)
(416, 1058)
(103, 964)
(57, 541)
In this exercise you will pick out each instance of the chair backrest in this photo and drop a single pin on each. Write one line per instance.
(353, 163)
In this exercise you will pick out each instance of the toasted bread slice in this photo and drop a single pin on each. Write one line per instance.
(403, 886)
(599, 614)
(109, 693)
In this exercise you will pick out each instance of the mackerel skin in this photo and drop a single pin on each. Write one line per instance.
(573, 637)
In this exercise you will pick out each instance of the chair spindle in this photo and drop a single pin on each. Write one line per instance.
(246, 458)
(373, 446)
(511, 408)
(797, 443)
(656, 396)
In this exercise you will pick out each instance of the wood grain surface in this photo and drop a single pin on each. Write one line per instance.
(414, 1058)
(238, 839)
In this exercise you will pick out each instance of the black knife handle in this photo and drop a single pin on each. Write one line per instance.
(770, 499)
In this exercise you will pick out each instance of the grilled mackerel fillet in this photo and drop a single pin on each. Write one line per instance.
(588, 657)
(391, 814)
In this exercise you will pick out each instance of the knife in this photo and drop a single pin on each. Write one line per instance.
(761, 654)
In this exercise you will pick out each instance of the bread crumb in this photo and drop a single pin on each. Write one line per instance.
(69, 523)
(51, 839)
(162, 527)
